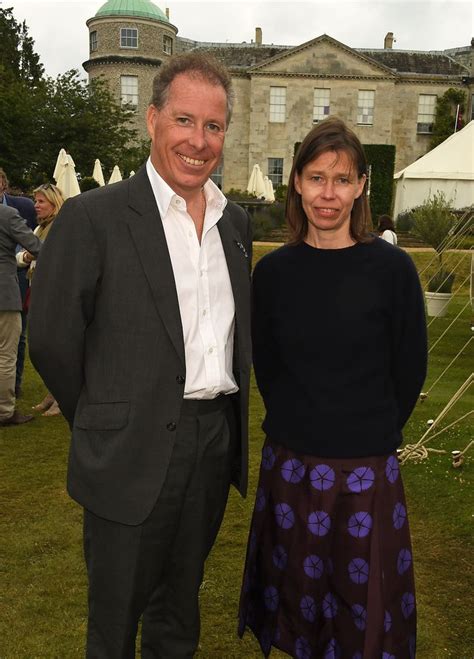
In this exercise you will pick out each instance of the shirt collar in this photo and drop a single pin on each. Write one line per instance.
(164, 194)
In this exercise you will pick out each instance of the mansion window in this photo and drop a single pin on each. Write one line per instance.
(320, 104)
(167, 45)
(426, 113)
(129, 90)
(275, 171)
(365, 107)
(93, 41)
(128, 37)
(217, 175)
(278, 104)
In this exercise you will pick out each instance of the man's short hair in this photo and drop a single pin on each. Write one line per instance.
(199, 65)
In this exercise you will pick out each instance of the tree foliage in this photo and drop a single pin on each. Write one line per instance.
(445, 117)
(86, 120)
(17, 55)
(40, 115)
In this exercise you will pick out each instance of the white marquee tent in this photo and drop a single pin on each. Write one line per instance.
(448, 168)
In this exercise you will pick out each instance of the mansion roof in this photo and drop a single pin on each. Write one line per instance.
(416, 61)
(239, 57)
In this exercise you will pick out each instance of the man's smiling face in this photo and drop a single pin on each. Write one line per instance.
(187, 133)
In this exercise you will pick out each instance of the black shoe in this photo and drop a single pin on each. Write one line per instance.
(17, 419)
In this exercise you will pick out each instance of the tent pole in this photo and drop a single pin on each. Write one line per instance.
(457, 117)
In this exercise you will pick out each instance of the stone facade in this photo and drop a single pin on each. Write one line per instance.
(397, 78)
(327, 64)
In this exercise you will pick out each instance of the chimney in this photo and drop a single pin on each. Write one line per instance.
(258, 36)
(388, 41)
(167, 12)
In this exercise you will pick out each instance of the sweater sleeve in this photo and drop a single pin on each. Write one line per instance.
(409, 339)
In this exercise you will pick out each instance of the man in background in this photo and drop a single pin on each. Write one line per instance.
(26, 210)
(13, 231)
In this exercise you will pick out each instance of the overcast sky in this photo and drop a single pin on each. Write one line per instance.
(61, 35)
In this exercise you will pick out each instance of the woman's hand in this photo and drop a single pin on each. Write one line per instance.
(27, 257)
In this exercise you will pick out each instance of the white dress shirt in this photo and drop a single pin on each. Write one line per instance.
(206, 301)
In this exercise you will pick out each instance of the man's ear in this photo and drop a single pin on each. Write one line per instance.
(151, 116)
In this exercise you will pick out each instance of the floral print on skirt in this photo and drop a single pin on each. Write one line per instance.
(329, 570)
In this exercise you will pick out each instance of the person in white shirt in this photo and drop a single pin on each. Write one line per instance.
(386, 229)
(140, 327)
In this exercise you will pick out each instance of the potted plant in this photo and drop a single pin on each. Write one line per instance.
(433, 222)
(439, 292)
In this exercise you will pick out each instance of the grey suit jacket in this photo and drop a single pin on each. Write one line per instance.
(106, 336)
(13, 231)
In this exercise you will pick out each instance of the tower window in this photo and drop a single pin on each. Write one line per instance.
(167, 45)
(129, 90)
(93, 41)
(128, 37)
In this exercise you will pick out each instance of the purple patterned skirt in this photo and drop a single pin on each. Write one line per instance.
(329, 571)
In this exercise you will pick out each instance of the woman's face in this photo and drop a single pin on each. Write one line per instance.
(328, 186)
(43, 207)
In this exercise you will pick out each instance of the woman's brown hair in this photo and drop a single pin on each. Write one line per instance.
(330, 135)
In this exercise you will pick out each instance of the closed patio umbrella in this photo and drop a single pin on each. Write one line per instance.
(256, 184)
(116, 176)
(98, 174)
(60, 162)
(67, 181)
(269, 193)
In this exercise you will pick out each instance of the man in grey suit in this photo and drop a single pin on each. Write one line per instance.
(13, 231)
(140, 328)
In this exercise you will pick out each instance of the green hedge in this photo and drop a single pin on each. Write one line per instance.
(381, 158)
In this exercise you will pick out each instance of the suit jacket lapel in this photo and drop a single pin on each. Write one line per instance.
(148, 235)
(238, 266)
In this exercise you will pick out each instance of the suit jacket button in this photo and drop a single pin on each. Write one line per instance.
(179, 379)
(171, 426)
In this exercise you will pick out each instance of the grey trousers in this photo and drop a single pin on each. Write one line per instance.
(153, 571)
(10, 329)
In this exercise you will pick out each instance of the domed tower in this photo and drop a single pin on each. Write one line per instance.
(128, 41)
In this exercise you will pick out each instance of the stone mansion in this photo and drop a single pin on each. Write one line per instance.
(386, 96)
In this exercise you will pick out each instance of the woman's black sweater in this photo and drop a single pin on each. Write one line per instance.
(340, 347)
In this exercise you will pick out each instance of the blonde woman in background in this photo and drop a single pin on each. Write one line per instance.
(48, 201)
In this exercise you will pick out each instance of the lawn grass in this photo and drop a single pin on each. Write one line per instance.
(43, 586)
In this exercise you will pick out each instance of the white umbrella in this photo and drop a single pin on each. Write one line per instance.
(67, 181)
(116, 175)
(132, 173)
(98, 174)
(60, 162)
(269, 194)
(256, 184)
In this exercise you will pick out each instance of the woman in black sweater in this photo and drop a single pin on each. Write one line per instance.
(340, 357)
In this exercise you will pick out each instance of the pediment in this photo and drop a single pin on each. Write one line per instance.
(323, 56)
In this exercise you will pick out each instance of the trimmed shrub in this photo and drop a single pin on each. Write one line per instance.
(381, 158)
(88, 183)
